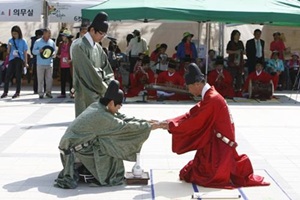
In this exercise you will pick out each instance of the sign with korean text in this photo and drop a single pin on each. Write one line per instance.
(70, 12)
(23, 11)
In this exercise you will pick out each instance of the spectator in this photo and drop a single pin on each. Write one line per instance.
(4, 60)
(44, 49)
(159, 58)
(186, 48)
(136, 45)
(255, 51)
(221, 79)
(259, 75)
(17, 48)
(64, 56)
(278, 45)
(171, 78)
(38, 34)
(235, 49)
(275, 67)
(293, 67)
(140, 78)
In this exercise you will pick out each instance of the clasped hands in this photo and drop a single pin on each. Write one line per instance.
(155, 124)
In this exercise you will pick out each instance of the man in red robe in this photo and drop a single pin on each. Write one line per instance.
(142, 76)
(257, 76)
(171, 78)
(208, 128)
(221, 79)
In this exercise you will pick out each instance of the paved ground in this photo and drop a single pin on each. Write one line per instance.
(30, 129)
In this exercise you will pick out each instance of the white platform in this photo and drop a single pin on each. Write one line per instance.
(30, 130)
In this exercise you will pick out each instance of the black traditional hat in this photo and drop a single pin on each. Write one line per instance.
(172, 64)
(85, 23)
(146, 60)
(193, 75)
(48, 52)
(219, 60)
(100, 22)
(114, 93)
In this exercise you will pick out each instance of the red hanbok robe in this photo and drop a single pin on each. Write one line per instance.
(263, 77)
(223, 85)
(216, 164)
(138, 82)
(175, 80)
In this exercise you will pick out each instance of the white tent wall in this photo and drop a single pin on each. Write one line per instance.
(169, 33)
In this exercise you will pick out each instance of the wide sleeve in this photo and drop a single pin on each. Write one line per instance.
(192, 130)
(123, 138)
(87, 73)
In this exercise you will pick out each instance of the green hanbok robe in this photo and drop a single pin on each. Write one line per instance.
(91, 74)
(112, 138)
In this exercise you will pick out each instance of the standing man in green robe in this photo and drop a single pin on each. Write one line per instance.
(101, 138)
(91, 69)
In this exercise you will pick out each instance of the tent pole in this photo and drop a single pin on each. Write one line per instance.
(199, 33)
(221, 39)
(207, 47)
(45, 14)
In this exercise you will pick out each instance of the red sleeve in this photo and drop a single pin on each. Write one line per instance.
(151, 76)
(192, 130)
(211, 79)
(161, 78)
(228, 78)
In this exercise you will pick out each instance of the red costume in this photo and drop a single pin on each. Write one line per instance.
(216, 163)
(138, 81)
(176, 80)
(224, 85)
(263, 77)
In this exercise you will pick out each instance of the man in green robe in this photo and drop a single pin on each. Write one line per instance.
(101, 138)
(91, 69)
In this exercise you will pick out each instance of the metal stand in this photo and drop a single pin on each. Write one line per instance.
(296, 85)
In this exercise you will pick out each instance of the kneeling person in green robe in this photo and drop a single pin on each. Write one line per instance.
(101, 138)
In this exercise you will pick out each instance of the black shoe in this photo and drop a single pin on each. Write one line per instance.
(3, 95)
(49, 96)
(16, 95)
(41, 96)
(62, 96)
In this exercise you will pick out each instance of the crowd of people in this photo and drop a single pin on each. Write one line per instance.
(49, 58)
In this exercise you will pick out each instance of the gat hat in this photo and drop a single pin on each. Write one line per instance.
(85, 23)
(276, 33)
(172, 64)
(295, 54)
(66, 33)
(194, 74)
(100, 22)
(136, 32)
(48, 52)
(186, 34)
(146, 60)
(219, 60)
(114, 93)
